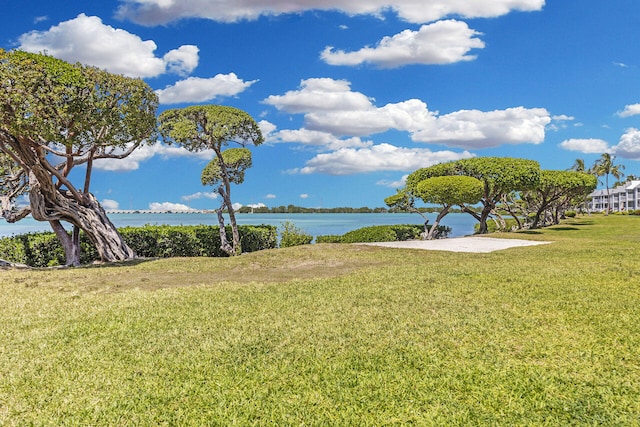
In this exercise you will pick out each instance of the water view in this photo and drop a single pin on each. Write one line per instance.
(315, 224)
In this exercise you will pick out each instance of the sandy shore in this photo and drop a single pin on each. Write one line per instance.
(460, 244)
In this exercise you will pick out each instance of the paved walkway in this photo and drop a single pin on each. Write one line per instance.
(460, 244)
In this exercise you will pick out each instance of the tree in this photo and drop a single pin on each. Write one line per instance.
(213, 127)
(499, 175)
(55, 116)
(449, 191)
(605, 166)
(235, 161)
(556, 189)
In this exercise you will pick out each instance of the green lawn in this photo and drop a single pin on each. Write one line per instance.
(334, 335)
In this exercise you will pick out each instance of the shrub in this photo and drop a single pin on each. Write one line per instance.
(382, 233)
(150, 241)
(330, 238)
(293, 236)
(570, 214)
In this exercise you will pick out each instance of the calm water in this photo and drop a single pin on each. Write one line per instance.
(314, 224)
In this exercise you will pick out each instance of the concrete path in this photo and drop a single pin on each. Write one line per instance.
(460, 244)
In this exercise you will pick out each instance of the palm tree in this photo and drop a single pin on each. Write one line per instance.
(605, 166)
(579, 166)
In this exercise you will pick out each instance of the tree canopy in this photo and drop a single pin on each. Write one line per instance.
(55, 116)
(449, 191)
(499, 176)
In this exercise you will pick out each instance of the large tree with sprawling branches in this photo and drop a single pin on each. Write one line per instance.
(55, 117)
(499, 177)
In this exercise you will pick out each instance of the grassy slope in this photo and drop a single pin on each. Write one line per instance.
(334, 335)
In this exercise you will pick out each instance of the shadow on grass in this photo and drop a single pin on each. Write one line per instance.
(563, 229)
(127, 263)
(582, 222)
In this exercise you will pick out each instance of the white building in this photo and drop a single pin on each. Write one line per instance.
(625, 197)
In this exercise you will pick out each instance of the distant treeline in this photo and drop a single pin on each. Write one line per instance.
(301, 209)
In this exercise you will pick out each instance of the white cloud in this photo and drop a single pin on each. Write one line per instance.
(257, 205)
(443, 42)
(330, 106)
(236, 206)
(153, 12)
(266, 127)
(382, 157)
(87, 40)
(479, 129)
(199, 195)
(146, 152)
(629, 145)
(393, 184)
(270, 196)
(304, 196)
(630, 110)
(109, 204)
(562, 117)
(183, 60)
(168, 206)
(320, 94)
(196, 89)
(587, 146)
(323, 140)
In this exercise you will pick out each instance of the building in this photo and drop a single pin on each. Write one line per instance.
(625, 197)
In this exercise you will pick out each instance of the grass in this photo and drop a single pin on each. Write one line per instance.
(334, 335)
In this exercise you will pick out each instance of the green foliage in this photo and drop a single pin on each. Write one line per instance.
(200, 127)
(450, 190)
(500, 175)
(150, 241)
(382, 233)
(570, 214)
(329, 238)
(290, 235)
(235, 162)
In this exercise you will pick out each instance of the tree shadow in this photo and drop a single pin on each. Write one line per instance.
(563, 229)
(127, 263)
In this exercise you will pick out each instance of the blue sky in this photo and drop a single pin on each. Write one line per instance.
(354, 95)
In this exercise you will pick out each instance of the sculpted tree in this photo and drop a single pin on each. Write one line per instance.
(555, 191)
(235, 161)
(214, 127)
(449, 191)
(499, 176)
(55, 116)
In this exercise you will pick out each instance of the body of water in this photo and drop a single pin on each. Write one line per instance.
(315, 224)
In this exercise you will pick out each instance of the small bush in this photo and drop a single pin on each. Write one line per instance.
(293, 236)
(330, 238)
(570, 214)
(382, 233)
(370, 234)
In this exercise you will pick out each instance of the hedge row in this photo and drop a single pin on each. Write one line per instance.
(150, 241)
(381, 233)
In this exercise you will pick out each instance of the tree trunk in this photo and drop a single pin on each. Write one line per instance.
(434, 228)
(90, 217)
(71, 249)
(224, 243)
